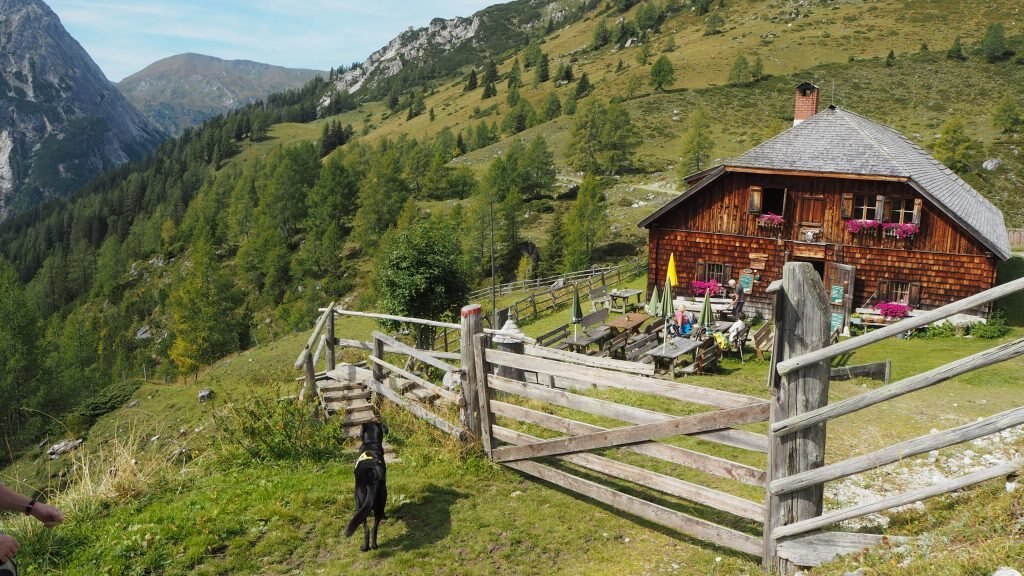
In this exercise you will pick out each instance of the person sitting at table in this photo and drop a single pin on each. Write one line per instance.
(734, 330)
(683, 322)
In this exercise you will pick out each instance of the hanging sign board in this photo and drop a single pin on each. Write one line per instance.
(836, 296)
(747, 281)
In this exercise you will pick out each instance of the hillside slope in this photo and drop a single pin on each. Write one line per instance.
(184, 90)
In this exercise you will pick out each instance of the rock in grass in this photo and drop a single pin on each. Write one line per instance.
(1004, 571)
(205, 394)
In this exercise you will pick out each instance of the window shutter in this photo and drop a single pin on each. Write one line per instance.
(917, 211)
(846, 210)
(754, 206)
(702, 272)
(726, 273)
(883, 294)
(881, 206)
(914, 296)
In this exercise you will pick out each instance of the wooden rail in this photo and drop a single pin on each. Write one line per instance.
(788, 539)
(910, 323)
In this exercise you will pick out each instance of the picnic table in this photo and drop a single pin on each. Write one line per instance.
(581, 341)
(670, 352)
(630, 322)
(718, 305)
(723, 326)
(622, 297)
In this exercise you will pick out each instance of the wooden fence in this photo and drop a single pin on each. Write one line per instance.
(501, 390)
(1016, 238)
(540, 284)
(549, 298)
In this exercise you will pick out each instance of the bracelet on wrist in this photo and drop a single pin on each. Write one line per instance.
(28, 507)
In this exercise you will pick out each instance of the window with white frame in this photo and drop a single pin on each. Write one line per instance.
(864, 207)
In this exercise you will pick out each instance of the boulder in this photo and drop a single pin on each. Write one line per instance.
(205, 394)
(991, 164)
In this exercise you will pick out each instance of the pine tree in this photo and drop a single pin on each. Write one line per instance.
(956, 52)
(544, 69)
(697, 145)
(601, 35)
(670, 44)
(202, 309)
(570, 104)
(739, 74)
(757, 70)
(586, 223)
(583, 86)
(515, 75)
(489, 91)
(993, 44)
(890, 58)
(471, 83)
(512, 97)
(552, 106)
(490, 72)
(955, 148)
(566, 73)
(619, 139)
(644, 55)
(662, 73)
(551, 256)
(1007, 116)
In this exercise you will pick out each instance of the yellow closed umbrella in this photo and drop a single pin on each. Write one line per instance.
(672, 270)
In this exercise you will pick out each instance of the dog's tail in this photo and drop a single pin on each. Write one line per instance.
(371, 477)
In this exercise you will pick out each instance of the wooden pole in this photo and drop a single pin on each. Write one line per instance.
(802, 321)
(378, 351)
(331, 363)
(472, 324)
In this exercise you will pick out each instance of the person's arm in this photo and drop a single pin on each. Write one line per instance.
(14, 502)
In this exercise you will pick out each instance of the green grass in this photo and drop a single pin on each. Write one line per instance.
(223, 512)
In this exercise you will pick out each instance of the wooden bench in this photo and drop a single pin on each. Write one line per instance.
(706, 358)
(616, 346)
(635, 350)
(595, 318)
(555, 338)
(600, 296)
(740, 341)
(763, 338)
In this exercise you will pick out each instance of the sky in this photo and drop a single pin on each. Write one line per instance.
(125, 36)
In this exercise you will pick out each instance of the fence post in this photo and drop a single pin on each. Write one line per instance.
(802, 325)
(378, 352)
(472, 324)
(331, 364)
(481, 343)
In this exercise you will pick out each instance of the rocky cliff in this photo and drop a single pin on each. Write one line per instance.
(184, 90)
(61, 121)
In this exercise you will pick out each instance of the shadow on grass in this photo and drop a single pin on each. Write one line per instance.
(428, 520)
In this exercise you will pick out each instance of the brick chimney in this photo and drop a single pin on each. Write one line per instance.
(806, 102)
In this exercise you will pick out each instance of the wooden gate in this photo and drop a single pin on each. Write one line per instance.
(712, 416)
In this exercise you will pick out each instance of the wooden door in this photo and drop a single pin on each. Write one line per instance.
(812, 210)
(839, 280)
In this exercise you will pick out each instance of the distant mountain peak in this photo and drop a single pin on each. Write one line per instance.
(185, 89)
(62, 122)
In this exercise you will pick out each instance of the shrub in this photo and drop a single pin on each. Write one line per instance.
(265, 429)
(996, 327)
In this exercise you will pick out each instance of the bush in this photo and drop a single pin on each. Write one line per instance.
(996, 327)
(942, 330)
(266, 429)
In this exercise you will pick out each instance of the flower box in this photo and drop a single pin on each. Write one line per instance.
(700, 288)
(863, 226)
(893, 310)
(901, 231)
(770, 220)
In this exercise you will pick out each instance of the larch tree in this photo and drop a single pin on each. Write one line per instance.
(697, 145)
(955, 148)
(586, 223)
(662, 73)
(202, 310)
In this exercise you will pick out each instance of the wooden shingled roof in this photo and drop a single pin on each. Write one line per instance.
(837, 142)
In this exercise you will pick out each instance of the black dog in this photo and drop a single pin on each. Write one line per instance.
(371, 484)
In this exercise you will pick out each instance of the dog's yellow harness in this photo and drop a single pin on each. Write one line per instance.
(364, 456)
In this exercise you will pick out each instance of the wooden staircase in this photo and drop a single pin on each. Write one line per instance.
(341, 392)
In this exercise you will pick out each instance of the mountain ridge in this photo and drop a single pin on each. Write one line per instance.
(62, 122)
(185, 89)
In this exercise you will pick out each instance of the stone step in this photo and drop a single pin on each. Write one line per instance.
(358, 418)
